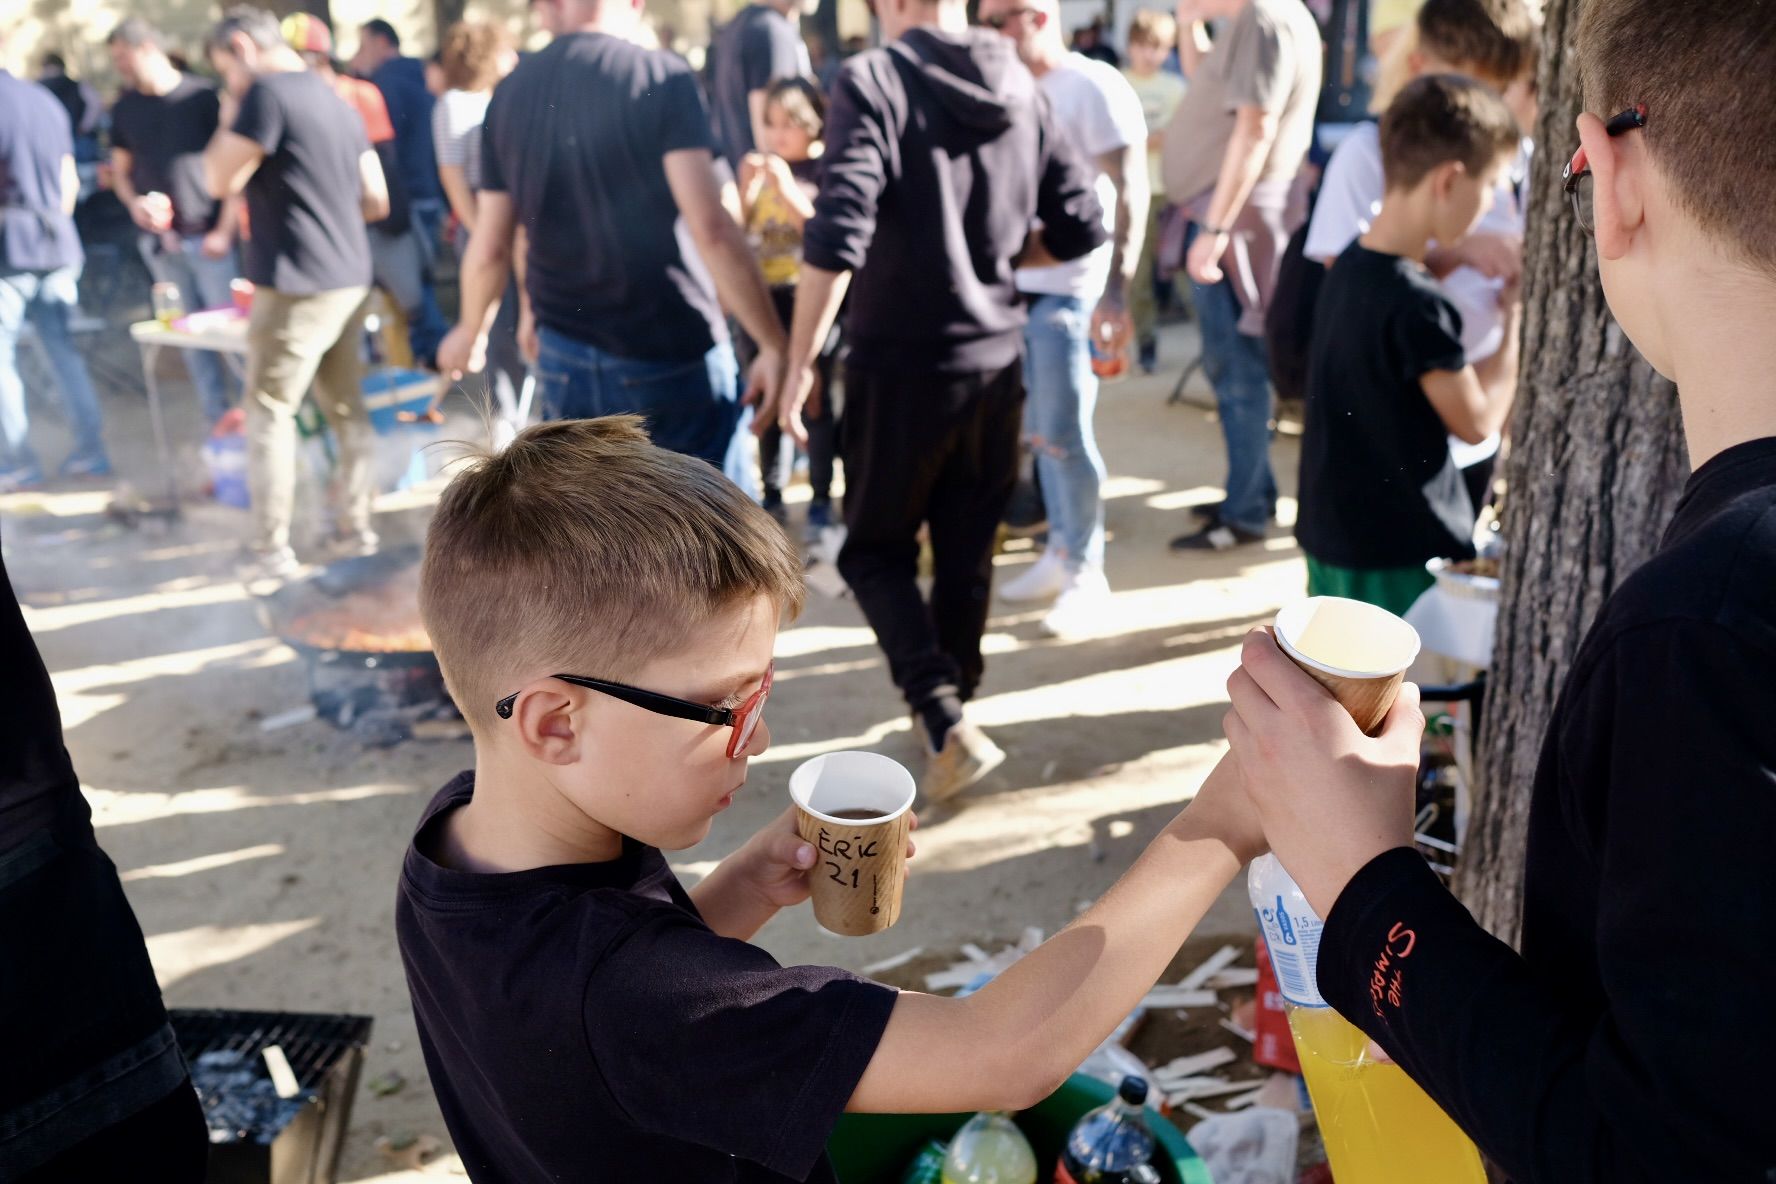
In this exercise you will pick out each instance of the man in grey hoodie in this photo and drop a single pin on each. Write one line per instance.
(945, 171)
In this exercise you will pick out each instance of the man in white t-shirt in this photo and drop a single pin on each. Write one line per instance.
(1072, 305)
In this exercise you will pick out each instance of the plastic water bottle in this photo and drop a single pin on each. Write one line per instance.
(1379, 1127)
(1111, 1145)
(989, 1149)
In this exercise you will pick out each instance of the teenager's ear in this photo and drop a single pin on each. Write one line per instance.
(1444, 177)
(1617, 204)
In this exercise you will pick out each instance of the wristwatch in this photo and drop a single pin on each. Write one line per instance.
(1217, 231)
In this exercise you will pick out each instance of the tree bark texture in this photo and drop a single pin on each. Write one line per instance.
(1596, 466)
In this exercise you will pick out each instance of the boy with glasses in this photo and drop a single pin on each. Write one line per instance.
(1626, 1041)
(605, 613)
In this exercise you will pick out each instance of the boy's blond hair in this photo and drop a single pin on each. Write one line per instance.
(1440, 118)
(1706, 70)
(1149, 27)
(582, 548)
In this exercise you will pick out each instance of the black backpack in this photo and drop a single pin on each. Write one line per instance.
(1289, 319)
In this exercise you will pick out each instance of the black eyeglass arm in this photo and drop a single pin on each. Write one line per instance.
(659, 704)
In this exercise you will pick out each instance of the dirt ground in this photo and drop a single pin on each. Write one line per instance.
(262, 864)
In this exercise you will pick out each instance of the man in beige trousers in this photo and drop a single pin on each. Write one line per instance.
(311, 181)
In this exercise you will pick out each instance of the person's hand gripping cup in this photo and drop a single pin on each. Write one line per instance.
(856, 810)
(1326, 735)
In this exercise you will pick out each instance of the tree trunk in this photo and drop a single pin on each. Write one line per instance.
(1596, 466)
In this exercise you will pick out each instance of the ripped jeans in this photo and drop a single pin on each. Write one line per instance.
(1063, 395)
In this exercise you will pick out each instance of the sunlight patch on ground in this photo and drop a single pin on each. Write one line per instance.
(800, 641)
(1183, 499)
(78, 690)
(63, 616)
(184, 952)
(121, 808)
(201, 863)
(77, 504)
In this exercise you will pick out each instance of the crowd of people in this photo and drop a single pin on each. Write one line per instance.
(916, 269)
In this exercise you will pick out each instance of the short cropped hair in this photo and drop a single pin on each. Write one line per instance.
(135, 32)
(802, 102)
(259, 26)
(1496, 40)
(382, 29)
(1706, 70)
(469, 54)
(1149, 27)
(582, 547)
(1440, 118)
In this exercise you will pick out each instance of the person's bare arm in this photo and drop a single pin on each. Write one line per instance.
(457, 191)
(122, 161)
(373, 194)
(1127, 169)
(1475, 401)
(755, 111)
(70, 185)
(819, 293)
(229, 161)
(1012, 1043)
(690, 174)
(1193, 42)
(481, 281)
(1254, 131)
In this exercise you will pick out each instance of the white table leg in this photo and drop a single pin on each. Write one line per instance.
(150, 362)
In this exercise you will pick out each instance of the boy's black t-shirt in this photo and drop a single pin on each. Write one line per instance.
(581, 1022)
(165, 136)
(304, 202)
(1630, 1042)
(578, 137)
(1378, 486)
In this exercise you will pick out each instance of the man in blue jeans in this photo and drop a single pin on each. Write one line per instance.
(1071, 304)
(1232, 155)
(614, 192)
(40, 259)
(159, 128)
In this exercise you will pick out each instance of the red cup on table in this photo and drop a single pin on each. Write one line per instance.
(241, 291)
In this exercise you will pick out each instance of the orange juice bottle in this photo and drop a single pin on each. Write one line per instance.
(1379, 1127)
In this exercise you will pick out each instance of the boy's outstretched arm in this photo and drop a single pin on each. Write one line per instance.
(1667, 1081)
(1011, 1044)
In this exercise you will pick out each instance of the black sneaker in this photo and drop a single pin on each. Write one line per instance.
(1149, 357)
(1217, 536)
(1211, 512)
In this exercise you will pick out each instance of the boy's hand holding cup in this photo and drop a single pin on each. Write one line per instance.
(856, 810)
(1326, 733)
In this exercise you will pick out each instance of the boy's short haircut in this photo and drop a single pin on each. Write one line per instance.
(583, 548)
(1440, 118)
(802, 102)
(1496, 40)
(1150, 27)
(1706, 70)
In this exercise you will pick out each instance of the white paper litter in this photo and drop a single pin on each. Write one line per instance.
(1219, 960)
(1178, 997)
(1200, 1063)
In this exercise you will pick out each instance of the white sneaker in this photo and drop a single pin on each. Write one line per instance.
(1082, 607)
(1042, 580)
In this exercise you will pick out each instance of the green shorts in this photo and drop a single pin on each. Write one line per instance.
(1392, 588)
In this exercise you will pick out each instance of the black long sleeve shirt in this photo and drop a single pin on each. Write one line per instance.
(1632, 1040)
(941, 154)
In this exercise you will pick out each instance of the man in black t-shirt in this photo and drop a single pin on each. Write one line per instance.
(1626, 1043)
(631, 255)
(761, 45)
(1387, 382)
(300, 155)
(159, 128)
(940, 156)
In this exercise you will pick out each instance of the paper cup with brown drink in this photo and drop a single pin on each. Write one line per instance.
(855, 808)
(1355, 650)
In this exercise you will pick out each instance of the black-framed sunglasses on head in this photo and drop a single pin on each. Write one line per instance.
(744, 719)
(1576, 179)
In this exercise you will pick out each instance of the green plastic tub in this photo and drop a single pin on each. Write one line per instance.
(876, 1148)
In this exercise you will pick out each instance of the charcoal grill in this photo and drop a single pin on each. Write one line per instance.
(294, 1143)
(378, 693)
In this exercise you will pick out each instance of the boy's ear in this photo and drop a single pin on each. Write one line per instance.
(544, 718)
(1617, 203)
(1444, 177)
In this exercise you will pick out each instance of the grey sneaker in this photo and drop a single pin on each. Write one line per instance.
(267, 568)
(967, 756)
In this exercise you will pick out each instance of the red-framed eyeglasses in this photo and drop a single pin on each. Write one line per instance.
(744, 719)
(1576, 179)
